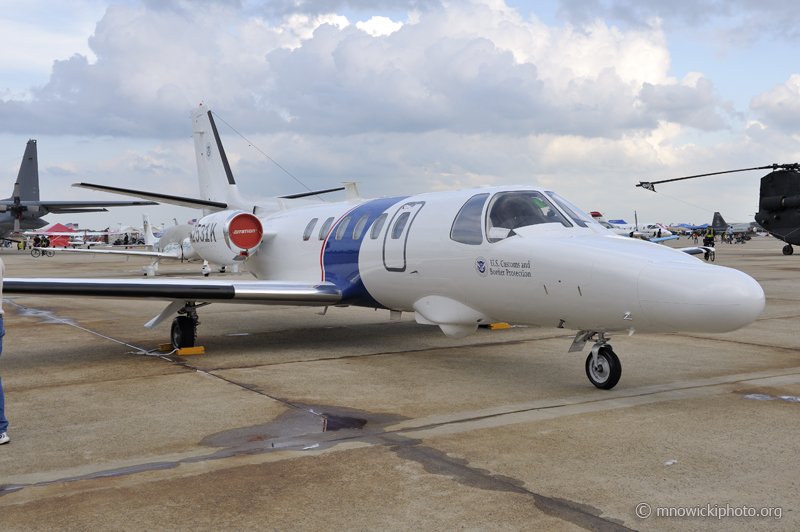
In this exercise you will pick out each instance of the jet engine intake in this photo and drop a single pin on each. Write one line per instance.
(227, 236)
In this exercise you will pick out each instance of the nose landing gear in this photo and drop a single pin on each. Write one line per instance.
(602, 365)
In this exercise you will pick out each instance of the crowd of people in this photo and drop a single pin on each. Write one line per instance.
(710, 236)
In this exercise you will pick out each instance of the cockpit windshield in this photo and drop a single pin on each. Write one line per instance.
(578, 216)
(510, 210)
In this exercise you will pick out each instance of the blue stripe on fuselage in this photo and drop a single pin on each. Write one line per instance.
(340, 257)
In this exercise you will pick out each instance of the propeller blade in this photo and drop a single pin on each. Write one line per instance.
(16, 225)
(16, 193)
(649, 184)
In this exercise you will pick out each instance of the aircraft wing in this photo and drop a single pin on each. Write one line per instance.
(157, 254)
(192, 203)
(662, 239)
(259, 292)
(61, 207)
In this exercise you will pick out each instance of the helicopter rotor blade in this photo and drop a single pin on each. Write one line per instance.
(649, 185)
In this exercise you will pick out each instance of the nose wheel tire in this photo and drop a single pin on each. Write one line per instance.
(182, 334)
(788, 249)
(605, 375)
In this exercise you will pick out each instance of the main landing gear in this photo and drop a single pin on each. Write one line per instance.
(788, 249)
(602, 365)
(184, 326)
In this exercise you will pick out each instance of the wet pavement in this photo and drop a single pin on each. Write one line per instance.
(350, 421)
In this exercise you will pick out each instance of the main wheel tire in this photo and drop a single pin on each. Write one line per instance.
(608, 371)
(788, 249)
(182, 333)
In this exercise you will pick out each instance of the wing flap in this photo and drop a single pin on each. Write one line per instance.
(258, 292)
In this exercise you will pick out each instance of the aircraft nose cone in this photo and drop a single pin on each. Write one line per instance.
(699, 297)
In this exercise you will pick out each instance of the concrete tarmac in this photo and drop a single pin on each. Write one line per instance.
(349, 421)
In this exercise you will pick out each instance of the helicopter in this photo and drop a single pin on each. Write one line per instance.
(779, 200)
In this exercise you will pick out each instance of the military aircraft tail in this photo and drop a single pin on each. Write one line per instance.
(718, 224)
(28, 176)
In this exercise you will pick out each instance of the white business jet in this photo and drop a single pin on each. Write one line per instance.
(459, 259)
(174, 244)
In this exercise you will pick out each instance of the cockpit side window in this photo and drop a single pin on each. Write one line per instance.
(578, 216)
(510, 210)
(467, 225)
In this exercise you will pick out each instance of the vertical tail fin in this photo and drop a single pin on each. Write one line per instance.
(214, 172)
(718, 223)
(28, 177)
(149, 237)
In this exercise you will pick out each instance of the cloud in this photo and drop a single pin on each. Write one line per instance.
(458, 95)
(377, 26)
(283, 8)
(780, 107)
(466, 68)
(694, 106)
(737, 20)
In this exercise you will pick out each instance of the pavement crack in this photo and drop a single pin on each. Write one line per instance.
(439, 463)
(389, 353)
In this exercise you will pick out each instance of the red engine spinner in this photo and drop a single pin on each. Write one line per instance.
(245, 231)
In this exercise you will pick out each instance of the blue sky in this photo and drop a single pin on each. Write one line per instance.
(584, 97)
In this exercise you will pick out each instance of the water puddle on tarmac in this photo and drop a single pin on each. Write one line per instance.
(299, 427)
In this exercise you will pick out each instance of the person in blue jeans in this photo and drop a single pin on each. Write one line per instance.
(3, 421)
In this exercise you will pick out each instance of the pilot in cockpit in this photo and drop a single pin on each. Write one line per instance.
(511, 210)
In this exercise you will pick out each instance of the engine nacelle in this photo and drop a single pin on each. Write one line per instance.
(227, 236)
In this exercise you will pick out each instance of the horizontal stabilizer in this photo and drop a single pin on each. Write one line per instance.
(257, 292)
(192, 203)
(311, 193)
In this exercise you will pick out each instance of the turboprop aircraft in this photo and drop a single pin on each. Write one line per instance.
(458, 259)
(174, 244)
(24, 210)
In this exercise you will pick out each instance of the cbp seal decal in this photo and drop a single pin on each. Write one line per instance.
(480, 266)
(208, 150)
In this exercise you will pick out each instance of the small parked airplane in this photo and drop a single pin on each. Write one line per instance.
(174, 244)
(457, 259)
(654, 232)
(24, 210)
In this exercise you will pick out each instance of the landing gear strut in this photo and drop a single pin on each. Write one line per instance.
(602, 365)
(184, 327)
(788, 249)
